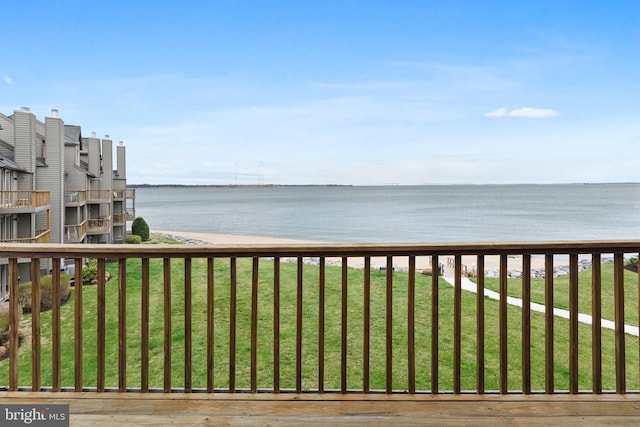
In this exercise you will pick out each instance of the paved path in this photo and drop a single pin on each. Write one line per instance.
(468, 285)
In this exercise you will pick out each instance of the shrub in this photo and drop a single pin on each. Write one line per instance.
(133, 239)
(46, 294)
(90, 271)
(140, 228)
(4, 323)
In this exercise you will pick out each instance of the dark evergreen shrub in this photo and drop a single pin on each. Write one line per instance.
(140, 228)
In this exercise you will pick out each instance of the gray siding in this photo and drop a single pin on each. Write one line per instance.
(25, 138)
(51, 177)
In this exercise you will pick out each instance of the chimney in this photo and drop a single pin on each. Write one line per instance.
(54, 112)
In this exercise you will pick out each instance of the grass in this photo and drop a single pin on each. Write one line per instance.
(287, 334)
(561, 292)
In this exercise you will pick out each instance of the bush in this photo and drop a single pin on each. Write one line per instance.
(46, 294)
(140, 228)
(133, 240)
(4, 322)
(90, 271)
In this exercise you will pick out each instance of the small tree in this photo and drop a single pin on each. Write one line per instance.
(140, 228)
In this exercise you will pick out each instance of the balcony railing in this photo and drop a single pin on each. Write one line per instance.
(119, 194)
(77, 196)
(99, 195)
(299, 318)
(24, 199)
(98, 225)
(75, 233)
(130, 193)
(42, 236)
(130, 214)
(118, 218)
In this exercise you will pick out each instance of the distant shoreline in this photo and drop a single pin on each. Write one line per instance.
(372, 185)
(232, 185)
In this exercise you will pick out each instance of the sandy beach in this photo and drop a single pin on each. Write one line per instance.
(492, 263)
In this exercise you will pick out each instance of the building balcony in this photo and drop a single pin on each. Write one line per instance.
(42, 236)
(118, 218)
(130, 193)
(119, 194)
(130, 214)
(75, 198)
(24, 201)
(99, 196)
(99, 225)
(75, 233)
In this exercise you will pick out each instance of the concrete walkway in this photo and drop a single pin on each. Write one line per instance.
(470, 286)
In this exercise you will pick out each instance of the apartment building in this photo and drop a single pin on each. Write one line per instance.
(57, 186)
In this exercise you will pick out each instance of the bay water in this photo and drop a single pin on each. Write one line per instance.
(417, 214)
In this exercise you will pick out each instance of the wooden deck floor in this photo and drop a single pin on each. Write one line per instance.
(155, 409)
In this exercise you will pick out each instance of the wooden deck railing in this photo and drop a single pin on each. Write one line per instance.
(24, 199)
(99, 195)
(42, 236)
(98, 225)
(263, 318)
(75, 196)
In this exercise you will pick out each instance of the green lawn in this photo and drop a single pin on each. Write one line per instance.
(310, 334)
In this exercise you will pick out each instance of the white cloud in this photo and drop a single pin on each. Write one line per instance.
(500, 112)
(8, 80)
(526, 112)
(533, 113)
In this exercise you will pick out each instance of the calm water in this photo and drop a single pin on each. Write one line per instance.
(401, 213)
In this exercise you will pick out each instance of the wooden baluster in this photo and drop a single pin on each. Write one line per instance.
(36, 362)
(299, 326)
(503, 324)
(596, 324)
(188, 369)
(618, 291)
(526, 323)
(480, 324)
(548, 318)
(573, 323)
(254, 326)
(343, 343)
(366, 347)
(101, 336)
(166, 265)
(13, 324)
(321, 322)
(56, 342)
(276, 325)
(122, 324)
(389, 326)
(144, 324)
(434, 323)
(210, 325)
(78, 318)
(411, 325)
(232, 325)
(457, 322)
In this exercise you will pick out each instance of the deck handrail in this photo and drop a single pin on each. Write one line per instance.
(424, 318)
(24, 199)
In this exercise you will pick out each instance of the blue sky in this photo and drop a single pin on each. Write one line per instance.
(338, 92)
